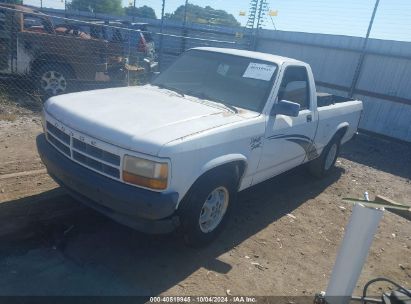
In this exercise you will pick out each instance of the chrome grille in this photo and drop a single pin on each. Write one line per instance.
(62, 147)
(96, 164)
(88, 155)
(58, 133)
(96, 152)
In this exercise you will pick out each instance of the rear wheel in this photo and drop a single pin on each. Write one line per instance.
(53, 79)
(206, 207)
(324, 164)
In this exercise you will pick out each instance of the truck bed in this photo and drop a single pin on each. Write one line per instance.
(326, 99)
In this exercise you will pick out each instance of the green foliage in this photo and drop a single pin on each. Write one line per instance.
(142, 12)
(206, 15)
(98, 6)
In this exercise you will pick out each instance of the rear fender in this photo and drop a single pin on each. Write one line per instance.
(342, 128)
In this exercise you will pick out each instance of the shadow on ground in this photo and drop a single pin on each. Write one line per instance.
(381, 154)
(84, 253)
(19, 91)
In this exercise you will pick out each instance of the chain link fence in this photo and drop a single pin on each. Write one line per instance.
(50, 47)
(45, 56)
(47, 52)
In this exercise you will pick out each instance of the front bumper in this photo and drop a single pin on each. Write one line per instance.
(141, 209)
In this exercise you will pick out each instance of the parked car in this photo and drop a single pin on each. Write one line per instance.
(143, 39)
(176, 152)
(54, 60)
(137, 42)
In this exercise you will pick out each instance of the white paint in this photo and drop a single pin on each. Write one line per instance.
(136, 118)
(352, 254)
(23, 57)
(195, 137)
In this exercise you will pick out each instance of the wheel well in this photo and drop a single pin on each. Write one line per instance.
(341, 132)
(236, 167)
(40, 61)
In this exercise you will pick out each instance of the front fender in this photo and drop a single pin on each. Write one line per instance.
(221, 160)
(212, 164)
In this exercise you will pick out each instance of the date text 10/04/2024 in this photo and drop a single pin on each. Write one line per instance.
(203, 299)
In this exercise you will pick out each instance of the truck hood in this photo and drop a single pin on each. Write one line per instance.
(141, 119)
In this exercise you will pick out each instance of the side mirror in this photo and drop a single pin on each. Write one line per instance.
(286, 107)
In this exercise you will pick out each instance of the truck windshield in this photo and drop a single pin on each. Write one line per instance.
(232, 80)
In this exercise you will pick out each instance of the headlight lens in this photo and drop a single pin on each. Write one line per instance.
(146, 173)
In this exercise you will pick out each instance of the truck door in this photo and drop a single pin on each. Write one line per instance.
(288, 140)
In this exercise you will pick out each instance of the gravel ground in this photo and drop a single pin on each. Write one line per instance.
(281, 240)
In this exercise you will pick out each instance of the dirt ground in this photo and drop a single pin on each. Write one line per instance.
(281, 240)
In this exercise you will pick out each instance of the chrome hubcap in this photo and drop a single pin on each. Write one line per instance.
(53, 83)
(332, 153)
(214, 209)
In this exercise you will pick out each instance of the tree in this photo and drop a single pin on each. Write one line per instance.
(98, 6)
(207, 15)
(142, 12)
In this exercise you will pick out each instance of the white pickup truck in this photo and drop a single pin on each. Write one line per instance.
(176, 152)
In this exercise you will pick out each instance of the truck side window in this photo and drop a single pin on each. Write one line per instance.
(294, 86)
(34, 23)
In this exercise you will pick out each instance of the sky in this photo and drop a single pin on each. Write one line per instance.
(343, 17)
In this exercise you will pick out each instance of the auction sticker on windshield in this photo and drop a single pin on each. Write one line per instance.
(259, 71)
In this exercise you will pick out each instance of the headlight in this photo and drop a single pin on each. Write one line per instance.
(146, 173)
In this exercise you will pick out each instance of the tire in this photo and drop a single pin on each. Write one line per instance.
(200, 223)
(323, 165)
(53, 79)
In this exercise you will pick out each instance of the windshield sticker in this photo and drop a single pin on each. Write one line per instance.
(259, 71)
(223, 69)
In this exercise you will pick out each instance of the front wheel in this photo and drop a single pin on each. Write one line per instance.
(323, 165)
(206, 207)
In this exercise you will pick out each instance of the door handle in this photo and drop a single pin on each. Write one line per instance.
(309, 118)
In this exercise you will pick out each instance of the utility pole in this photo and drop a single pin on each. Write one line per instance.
(249, 27)
(161, 31)
(363, 51)
(257, 12)
(134, 13)
(260, 10)
(183, 41)
(185, 13)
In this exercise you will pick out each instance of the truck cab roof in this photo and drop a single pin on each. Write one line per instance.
(251, 54)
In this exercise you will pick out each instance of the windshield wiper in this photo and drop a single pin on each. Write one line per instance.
(203, 95)
(163, 86)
